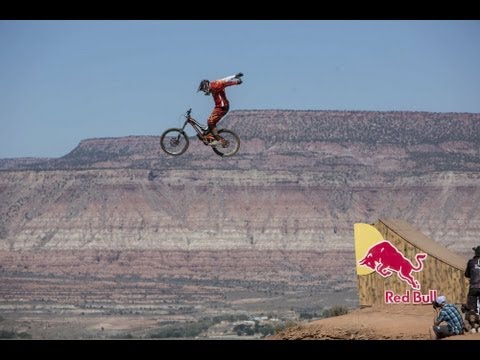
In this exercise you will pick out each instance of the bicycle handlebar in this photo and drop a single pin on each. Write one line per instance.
(188, 112)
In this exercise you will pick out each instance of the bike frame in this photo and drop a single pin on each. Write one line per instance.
(199, 128)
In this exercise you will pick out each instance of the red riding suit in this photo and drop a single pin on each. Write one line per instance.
(217, 89)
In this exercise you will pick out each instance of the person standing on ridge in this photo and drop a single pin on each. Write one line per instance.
(472, 272)
(216, 88)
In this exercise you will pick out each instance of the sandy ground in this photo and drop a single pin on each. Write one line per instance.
(389, 322)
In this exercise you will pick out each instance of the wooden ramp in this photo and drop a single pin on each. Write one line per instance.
(443, 270)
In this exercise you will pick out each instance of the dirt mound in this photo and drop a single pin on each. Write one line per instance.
(391, 322)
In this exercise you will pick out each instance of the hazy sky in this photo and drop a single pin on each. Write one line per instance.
(64, 81)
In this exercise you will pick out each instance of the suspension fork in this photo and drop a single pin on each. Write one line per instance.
(185, 124)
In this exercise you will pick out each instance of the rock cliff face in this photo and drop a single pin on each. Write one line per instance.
(298, 184)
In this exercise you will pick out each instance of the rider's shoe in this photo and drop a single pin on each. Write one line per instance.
(222, 142)
(206, 138)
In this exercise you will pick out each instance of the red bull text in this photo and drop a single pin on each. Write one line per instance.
(410, 297)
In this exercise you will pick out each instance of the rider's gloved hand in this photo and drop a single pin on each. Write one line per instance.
(239, 75)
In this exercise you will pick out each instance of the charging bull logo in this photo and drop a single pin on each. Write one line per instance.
(384, 258)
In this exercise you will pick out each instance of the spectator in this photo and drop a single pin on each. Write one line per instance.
(472, 272)
(448, 313)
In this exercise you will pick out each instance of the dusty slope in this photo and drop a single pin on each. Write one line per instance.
(398, 322)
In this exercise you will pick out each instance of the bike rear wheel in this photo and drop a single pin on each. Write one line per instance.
(174, 141)
(233, 143)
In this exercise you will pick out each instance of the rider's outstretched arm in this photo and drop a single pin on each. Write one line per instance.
(228, 78)
(232, 79)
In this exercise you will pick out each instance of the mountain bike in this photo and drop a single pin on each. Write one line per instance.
(175, 141)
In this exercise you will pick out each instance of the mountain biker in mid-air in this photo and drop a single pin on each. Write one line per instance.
(216, 88)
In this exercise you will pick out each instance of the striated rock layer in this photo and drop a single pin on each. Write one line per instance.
(298, 184)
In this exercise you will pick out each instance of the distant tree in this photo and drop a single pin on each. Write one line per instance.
(336, 310)
(5, 334)
(305, 315)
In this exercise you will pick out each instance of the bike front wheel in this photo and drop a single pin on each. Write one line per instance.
(174, 141)
(233, 143)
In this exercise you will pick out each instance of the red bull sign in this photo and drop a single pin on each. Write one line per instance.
(386, 259)
(375, 254)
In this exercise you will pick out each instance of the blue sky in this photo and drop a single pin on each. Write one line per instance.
(64, 81)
